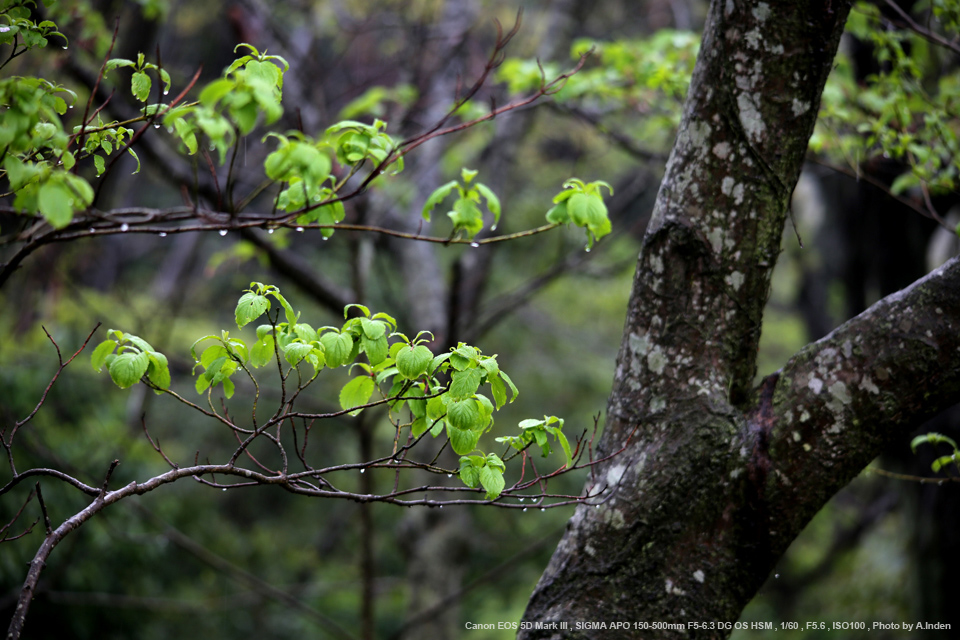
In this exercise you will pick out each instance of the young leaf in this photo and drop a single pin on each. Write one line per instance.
(437, 196)
(250, 307)
(492, 481)
(99, 355)
(357, 392)
(412, 362)
(465, 383)
(462, 441)
(127, 368)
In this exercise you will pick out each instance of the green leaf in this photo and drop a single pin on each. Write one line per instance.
(465, 414)
(250, 307)
(469, 474)
(372, 328)
(158, 371)
(493, 202)
(99, 355)
(463, 441)
(492, 481)
(55, 203)
(498, 389)
(465, 383)
(436, 197)
(262, 351)
(558, 214)
(513, 387)
(140, 86)
(127, 368)
(296, 351)
(357, 392)
(376, 350)
(336, 348)
(412, 362)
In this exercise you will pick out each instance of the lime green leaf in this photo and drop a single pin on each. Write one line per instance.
(158, 371)
(465, 383)
(296, 351)
(412, 362)
(250, 307)
(436, 197)
(140, 86)
(492, 481)
(357, 392)
(463, 441)
(55, 201)
(465, 414)
(99, 355)
(376, 350)
(336, 348)
(262, 351)
(127, 368)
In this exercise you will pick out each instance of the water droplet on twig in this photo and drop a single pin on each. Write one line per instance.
(124, 227)
(163, 234)
(300, 229)
(474, 244)
(524, 508)
(223, 232)
(269, 230)
(362, 470)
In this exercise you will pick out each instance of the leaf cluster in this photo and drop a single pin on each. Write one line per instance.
(440, 393)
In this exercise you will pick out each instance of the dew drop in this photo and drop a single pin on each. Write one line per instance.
(587, 249)
(300, 229)
(156, 126)
(269, 230)
(223, 232)
(169, 129)
(543, 508)
(64, 47)
(92, 229)
(522, 499)
(163, 234)
(362, 470)
(449, 475)
(325, 238)
(124, 227)
(597, 506)
(493, 228)
(524, 508)
(224, 489)
(474, 244)
(441, 506)
(166, 91)
(70, 107)
(940, 484)
(776, 576)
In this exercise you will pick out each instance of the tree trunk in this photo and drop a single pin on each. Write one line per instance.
(719, 477)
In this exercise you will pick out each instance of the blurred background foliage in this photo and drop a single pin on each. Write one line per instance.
(184, 561)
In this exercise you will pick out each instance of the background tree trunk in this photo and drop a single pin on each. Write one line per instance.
(718, 478)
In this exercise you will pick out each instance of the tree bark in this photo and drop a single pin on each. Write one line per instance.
(720, 477)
